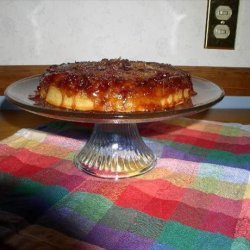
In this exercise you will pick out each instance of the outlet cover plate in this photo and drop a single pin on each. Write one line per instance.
(221, 30)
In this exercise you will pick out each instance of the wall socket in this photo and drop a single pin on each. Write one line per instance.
(221, 24)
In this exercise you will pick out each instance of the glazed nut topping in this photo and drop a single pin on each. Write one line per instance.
(115, 85)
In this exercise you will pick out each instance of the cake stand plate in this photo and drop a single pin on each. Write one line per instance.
(115, 149)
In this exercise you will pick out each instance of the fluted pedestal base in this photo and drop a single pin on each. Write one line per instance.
(115, 151)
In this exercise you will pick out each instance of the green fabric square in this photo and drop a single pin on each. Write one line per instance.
(231, 190)
(212, 241)
(147, 226)
(208, 185)
(70, 156)
(119, 218)
(198, 151)
(221, 157)
(27, 186)
(240, 244)
(6, 178)
(72, 200)
(184, 237)
(227, 158)
(180, 236)
(94, 206)
(133, 221)
(51, 194)
(230, 131)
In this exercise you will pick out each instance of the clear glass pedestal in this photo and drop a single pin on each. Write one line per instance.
(115, 151)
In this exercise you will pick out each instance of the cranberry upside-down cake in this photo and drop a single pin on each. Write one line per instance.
(116, 85)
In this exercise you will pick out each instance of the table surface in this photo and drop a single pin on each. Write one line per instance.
(12, 121)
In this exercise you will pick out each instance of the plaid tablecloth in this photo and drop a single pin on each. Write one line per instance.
(197, 197)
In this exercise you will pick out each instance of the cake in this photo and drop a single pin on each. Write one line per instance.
(115, 85)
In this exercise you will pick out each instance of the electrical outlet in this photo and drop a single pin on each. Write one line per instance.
(221, 24)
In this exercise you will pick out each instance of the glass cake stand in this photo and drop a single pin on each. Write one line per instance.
(115, 148)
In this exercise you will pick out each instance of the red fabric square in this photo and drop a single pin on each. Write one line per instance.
(16, 167)
(243, 228)
(190, 216)
(160, 208)
(225, 206)
(160, 189)
(39, 160)
(133, 198)
(49, 176)
(220, 223)
(198, 199)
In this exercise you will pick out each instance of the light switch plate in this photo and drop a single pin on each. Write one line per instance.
(221, 24)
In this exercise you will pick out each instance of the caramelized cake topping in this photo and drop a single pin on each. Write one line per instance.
(115, 85)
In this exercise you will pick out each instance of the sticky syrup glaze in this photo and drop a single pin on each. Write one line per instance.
(119, 79)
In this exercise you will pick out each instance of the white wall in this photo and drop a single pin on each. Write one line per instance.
(56, 31)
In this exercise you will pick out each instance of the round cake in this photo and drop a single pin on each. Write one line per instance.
(116, 85)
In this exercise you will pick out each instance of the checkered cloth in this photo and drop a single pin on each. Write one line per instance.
(197, 197)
